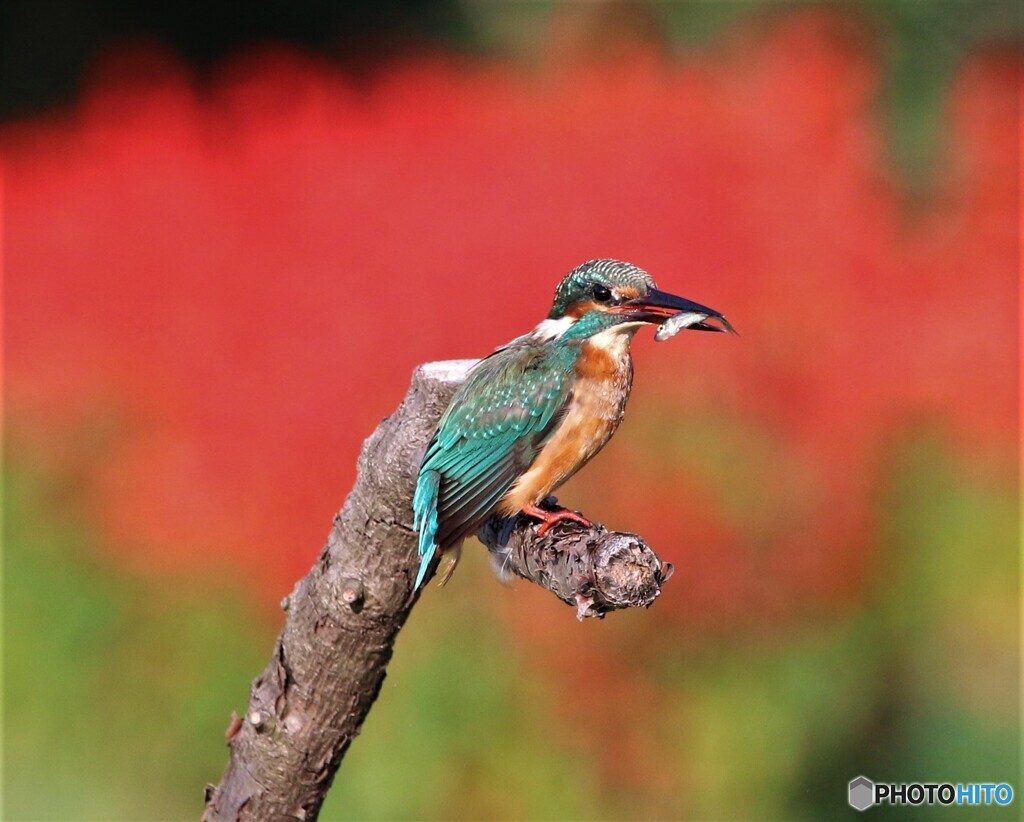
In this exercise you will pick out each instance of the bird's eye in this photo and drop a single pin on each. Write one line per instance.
(602, 294)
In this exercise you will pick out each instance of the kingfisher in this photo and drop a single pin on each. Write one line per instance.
(534, 412)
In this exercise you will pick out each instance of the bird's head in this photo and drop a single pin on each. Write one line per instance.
(611, 294)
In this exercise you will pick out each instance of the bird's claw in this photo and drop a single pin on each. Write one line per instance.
(549, 519)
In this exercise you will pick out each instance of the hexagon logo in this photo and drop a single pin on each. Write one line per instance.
(862, 793)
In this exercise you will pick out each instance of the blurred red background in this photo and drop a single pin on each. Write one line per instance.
(263, 264)
(216, 291)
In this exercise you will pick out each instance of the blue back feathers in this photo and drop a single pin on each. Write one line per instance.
(495, 425)
(424, 506)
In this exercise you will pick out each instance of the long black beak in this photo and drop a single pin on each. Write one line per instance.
(657, 306)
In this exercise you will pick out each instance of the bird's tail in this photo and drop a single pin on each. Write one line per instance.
(424, 507)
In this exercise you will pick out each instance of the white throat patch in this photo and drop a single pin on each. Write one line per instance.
(549, 329)
(615, 340)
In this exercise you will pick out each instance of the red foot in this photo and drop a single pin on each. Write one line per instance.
(549, 518)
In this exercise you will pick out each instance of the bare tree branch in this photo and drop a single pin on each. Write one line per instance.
(342, 618)
(594, 569)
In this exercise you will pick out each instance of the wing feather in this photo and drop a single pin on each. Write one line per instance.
(492, 431)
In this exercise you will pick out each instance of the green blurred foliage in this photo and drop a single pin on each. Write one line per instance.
(923, 43)
(458, 732)
(118, 689)
(920, 45)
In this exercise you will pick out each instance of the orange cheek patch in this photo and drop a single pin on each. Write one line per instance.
(577, 310)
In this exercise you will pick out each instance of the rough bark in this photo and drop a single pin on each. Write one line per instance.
(342, 618)
(594, 569)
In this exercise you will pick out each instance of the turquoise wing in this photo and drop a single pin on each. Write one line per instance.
(493, 429)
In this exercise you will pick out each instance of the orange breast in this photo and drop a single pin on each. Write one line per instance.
(603, 379)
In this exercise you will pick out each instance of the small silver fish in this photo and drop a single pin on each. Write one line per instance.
(676, 323)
